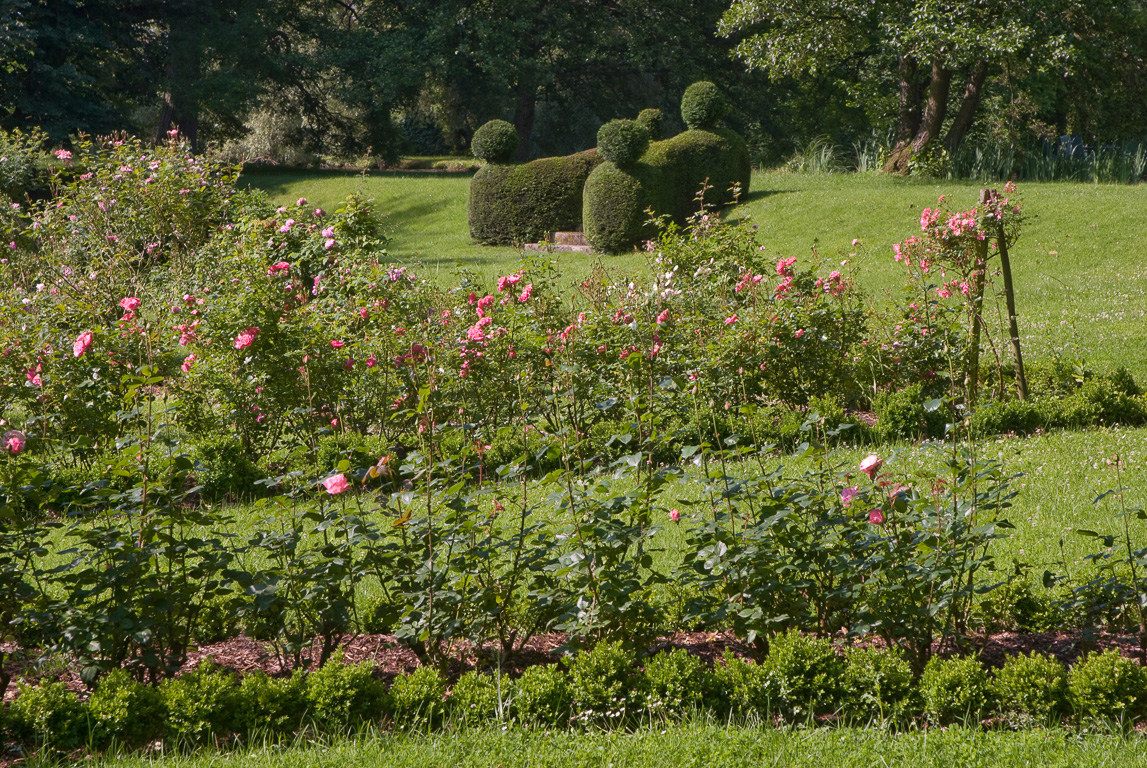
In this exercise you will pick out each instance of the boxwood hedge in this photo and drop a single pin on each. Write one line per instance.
(511, 204)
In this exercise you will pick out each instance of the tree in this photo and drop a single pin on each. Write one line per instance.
(924, 46)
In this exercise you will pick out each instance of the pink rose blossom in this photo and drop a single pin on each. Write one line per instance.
(336, 484)
(661, 318)
(63, 154)
(526, 293)
(848, 494)
(674, 515)
(244, 339)
(337, 344)
(278, 267)
(81, 344)
(507, 281)
(371, 361)
(129, 303)
(871, 465)
(301, 202)
(187, 363)
(15, 441)
(731, 319)
(876, 517)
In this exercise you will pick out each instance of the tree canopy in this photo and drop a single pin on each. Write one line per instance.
(349, 78)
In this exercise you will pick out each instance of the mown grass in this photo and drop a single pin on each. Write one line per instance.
(703, 746)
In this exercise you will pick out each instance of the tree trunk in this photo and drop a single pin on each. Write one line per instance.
(908, 119)
(963, 119)
(180, 102)
(524, 117)
(935, 110)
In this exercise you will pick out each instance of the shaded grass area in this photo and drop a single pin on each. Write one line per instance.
(704, 746)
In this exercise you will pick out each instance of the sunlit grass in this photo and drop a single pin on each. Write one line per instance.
(700, 745)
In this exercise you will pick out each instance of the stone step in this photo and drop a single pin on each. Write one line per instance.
(570, 238)
(556, 248)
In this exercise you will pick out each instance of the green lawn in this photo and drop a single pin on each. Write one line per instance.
(1079, 265)
(689, 746)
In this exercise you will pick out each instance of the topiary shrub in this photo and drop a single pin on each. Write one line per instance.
(612, 199)
(201, 705)
(654, 123)
(675, 682)
(474, 699)
(878, 683)
(513, 204)
(340, 696)
(271, 707)
(900, 415)
(225, 470)
(542, 696)
(742, 686)
(954, 690)
(666, 179)
(416, 698)
(1108, 686)
(1031, 687)
(601, 684)
(495, 142)
(804, 676)
(125, 712)
(1022, 417)
(48, 716)
(702, 105)
(622, 142)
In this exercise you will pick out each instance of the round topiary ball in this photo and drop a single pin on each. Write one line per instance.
(653, 121)
(702, 105)
(495, 142)
(622, 142)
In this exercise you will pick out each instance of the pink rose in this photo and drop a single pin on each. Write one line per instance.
(674, 515)
(187, 363)
(336, 484)
(278, 267)
(876, 517)
(871, 465)
(507, 281)
(848, 494)
(337, 344)
(129, 303)
(14, 441)
(244, 339)
(81, 344)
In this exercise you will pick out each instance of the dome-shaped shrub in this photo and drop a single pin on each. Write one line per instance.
(654, 122)
(702, 105)
(495, 142)
(622, 142)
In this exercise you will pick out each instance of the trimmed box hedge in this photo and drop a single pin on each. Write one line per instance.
(666, 179)
(513, 204)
